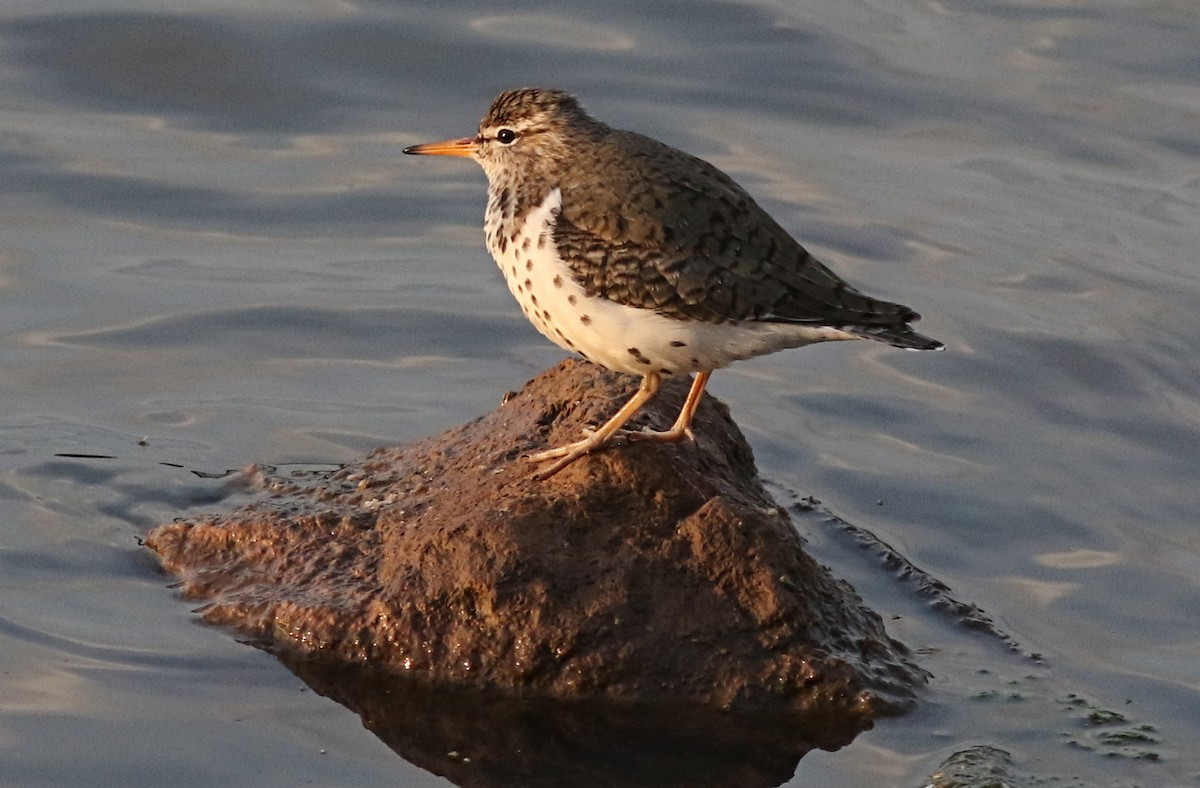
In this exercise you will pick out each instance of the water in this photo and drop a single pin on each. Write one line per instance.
(212, 254)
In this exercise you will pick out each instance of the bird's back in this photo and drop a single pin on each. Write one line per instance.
(649, 226)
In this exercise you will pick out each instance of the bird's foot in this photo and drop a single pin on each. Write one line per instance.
(593, 439)
(673, 435)
(565, 455)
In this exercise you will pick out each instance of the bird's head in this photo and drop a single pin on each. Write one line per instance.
(522, 128)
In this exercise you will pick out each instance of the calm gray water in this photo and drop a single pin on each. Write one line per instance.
(212, 254)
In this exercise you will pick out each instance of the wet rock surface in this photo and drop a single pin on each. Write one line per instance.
(643, 574)
(981, 766)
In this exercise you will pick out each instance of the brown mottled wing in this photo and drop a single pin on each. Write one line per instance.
(719, 257)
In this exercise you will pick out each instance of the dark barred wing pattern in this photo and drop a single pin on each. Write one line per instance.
(737, 264)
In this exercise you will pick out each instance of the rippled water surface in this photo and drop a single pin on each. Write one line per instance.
(212, 254)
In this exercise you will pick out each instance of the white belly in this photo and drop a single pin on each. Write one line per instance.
(624, 338)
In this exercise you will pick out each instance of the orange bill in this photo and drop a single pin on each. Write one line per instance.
(463, 147)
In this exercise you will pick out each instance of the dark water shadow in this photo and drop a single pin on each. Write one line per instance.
(477, 739)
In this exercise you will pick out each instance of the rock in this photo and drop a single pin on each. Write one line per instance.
(645, 573)
(980, 766)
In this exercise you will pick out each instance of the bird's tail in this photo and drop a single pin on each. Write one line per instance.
(897, 335)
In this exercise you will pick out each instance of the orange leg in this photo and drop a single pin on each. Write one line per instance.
(573, 451)
(682, 428)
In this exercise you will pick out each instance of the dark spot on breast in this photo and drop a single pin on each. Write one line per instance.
(677, 343)
(557, 281)
(571, 300)
(525, 244)
(529, 265)
(529, 283)
(542, 245)
(533, 299)
(695, 361)
(545, 312)
(666, 371)
(639, 356)
(502, 243)
(587, 321)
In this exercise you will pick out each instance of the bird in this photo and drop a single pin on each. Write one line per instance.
(647, 260)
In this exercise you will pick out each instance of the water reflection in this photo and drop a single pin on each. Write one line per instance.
(489, 741)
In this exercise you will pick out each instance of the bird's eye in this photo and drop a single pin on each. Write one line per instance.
(506, 136)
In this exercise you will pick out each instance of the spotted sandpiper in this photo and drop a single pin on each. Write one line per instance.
(645, 259)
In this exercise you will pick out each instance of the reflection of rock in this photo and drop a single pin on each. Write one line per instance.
(478, 739)
(648, 573)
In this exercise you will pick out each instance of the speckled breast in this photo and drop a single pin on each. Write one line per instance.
(623, 338)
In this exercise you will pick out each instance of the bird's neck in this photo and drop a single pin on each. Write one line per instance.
(511, 200)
